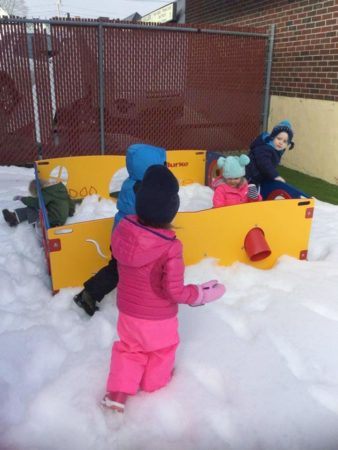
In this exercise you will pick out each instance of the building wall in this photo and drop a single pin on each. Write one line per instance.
(305, 66)
(316, 134)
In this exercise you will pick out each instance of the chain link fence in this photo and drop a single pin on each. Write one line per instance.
(83, 87)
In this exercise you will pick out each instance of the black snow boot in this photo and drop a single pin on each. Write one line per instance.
(86, 302)
(10, 218)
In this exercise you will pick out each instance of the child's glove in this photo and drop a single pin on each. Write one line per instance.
(252, 192)
(17, 197)
(209, 292)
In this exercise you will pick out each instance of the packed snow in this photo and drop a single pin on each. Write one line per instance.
(193, 197)
(257, 369)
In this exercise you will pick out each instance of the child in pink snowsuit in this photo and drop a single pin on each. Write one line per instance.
(231, 188)
(151, 285)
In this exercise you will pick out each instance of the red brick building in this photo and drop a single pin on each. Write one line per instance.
(304, 78)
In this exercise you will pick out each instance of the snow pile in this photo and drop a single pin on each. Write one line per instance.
(192, 198)
(93, 207)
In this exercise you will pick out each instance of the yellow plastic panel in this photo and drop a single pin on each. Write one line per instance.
(187, 165)
(217, 233)
(220, 232)
(84, 250)
(83, 175)
(79, 257)
(87, 175)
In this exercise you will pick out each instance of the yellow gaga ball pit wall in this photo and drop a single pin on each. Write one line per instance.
(79, 250)
(221, 232)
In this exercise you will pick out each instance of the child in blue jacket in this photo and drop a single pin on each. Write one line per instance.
(138, 158)
(266, 152)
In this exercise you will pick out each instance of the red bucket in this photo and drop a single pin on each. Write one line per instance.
(255, 245)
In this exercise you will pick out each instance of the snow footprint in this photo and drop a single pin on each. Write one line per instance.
(258, 303)
(237, 322)
(329, 312)
(210, 378)
(220, 422)
(173, 419)
(291, 357)
(326, 396)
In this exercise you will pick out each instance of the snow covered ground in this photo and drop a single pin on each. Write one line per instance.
(255, 370)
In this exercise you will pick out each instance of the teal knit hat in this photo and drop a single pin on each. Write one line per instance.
(233, 166)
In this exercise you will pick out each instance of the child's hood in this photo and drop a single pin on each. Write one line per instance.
(263, 140)
(57, 191)
(259, 140)
(136, 245)
(141, 156)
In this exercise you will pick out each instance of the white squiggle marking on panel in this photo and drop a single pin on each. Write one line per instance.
(98, 249)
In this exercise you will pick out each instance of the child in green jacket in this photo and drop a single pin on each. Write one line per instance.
(57, 201)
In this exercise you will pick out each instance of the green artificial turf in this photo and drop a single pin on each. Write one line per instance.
(315, 187)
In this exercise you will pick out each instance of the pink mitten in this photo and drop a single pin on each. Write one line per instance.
(209, 292)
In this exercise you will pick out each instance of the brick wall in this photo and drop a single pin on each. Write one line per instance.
(305, 60)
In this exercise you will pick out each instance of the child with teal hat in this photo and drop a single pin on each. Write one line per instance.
(266, 152)
(231, 188)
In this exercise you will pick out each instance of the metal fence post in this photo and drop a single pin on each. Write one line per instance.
(101, 87)
(29, 34)
(266, 105)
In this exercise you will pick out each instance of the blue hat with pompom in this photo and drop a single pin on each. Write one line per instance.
(233, 166)
(283, 126)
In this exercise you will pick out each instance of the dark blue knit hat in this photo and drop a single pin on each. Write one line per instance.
(157, 199)
(285, 126)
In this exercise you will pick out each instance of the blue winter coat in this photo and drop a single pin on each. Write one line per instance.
(138, 158)
(264, 159)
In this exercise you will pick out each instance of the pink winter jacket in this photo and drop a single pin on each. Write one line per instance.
(226, 195)
(151, 271)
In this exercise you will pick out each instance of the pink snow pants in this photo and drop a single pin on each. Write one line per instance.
(144, 357)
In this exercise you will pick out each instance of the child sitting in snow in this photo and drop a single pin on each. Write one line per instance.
(266, 152)
(231, 188)
(138, 158)
(151, 285)
(57, 201)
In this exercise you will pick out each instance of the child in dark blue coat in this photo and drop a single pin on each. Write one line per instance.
(266, 152)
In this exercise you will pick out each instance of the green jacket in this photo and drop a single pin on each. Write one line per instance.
(57, 201)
